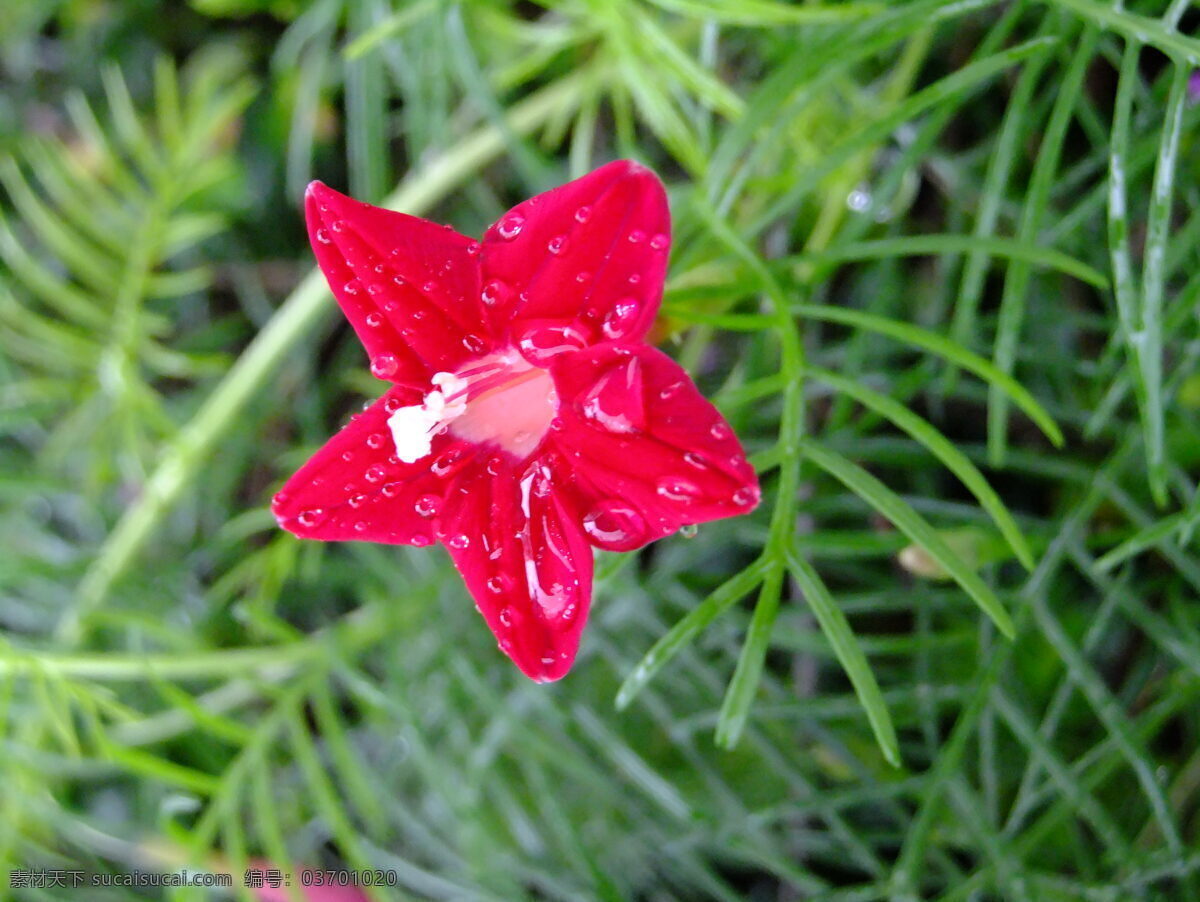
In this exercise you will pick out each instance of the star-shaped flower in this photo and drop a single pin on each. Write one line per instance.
(527, 420)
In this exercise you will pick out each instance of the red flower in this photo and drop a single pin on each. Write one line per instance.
(527, 420)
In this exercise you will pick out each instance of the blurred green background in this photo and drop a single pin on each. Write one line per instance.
(936, 261)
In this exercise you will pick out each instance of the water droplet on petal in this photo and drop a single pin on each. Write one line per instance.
(506, 617)
(310, 517)
(583, 214)
(582, 277)
(390, 489)
(375, 473)
(473, 249)
(496, 585)
(493, 466)
(557, 244)
(391, 405)
(634, 279)
(428, 505)
(474, 343)
(357, 501)
(637, 236)
(494, 292)
(689, 530)
(323, 237)
(615, 402)
(446, 463)
(671, 390)
(510, 226)
(459, 542)
(419, 540)
(384, 366)
(428, 287)
(374, 320)
(660, 242)
(676, 488)
(744, 497)
(720, 431)
(338, 225)
(542, 343)
(347, 456)
(620, 318)
(360, 526)
(695, 460)
(615, 526)
(351, 287)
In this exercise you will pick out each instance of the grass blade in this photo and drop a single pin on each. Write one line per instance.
(912, 524)
(942, 448)
(686, 630)
(1158, 234)
(1011, 317)
(836, 629)
(944, 347)
(735, 708)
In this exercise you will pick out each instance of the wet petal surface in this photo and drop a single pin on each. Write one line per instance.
(409, 287)
(586, 260)
(649, 453)
(524, 558)
(355, 488)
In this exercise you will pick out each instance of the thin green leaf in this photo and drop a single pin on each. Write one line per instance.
(1136, 28)
(686, 630)
(739, 697)
(942, 448)
(913, 525)
(836, 629)
(944, 347)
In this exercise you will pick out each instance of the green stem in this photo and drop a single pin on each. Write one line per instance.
(357, 630)
(734, 709)
(132, 667)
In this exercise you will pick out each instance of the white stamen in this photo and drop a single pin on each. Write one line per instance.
(498, 399)
(413, 428)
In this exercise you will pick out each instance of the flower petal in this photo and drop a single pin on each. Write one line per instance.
(355, 487)
(649, 453)
(582, 263)
(408, 286)
(524, 559)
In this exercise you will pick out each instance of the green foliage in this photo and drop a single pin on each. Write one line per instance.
(101, 247)
(934, 260)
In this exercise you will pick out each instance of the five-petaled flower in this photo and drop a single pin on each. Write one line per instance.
(527, 420)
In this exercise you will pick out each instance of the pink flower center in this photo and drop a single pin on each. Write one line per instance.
(498, 399)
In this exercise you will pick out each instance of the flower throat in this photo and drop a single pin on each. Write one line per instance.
(497, 399)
